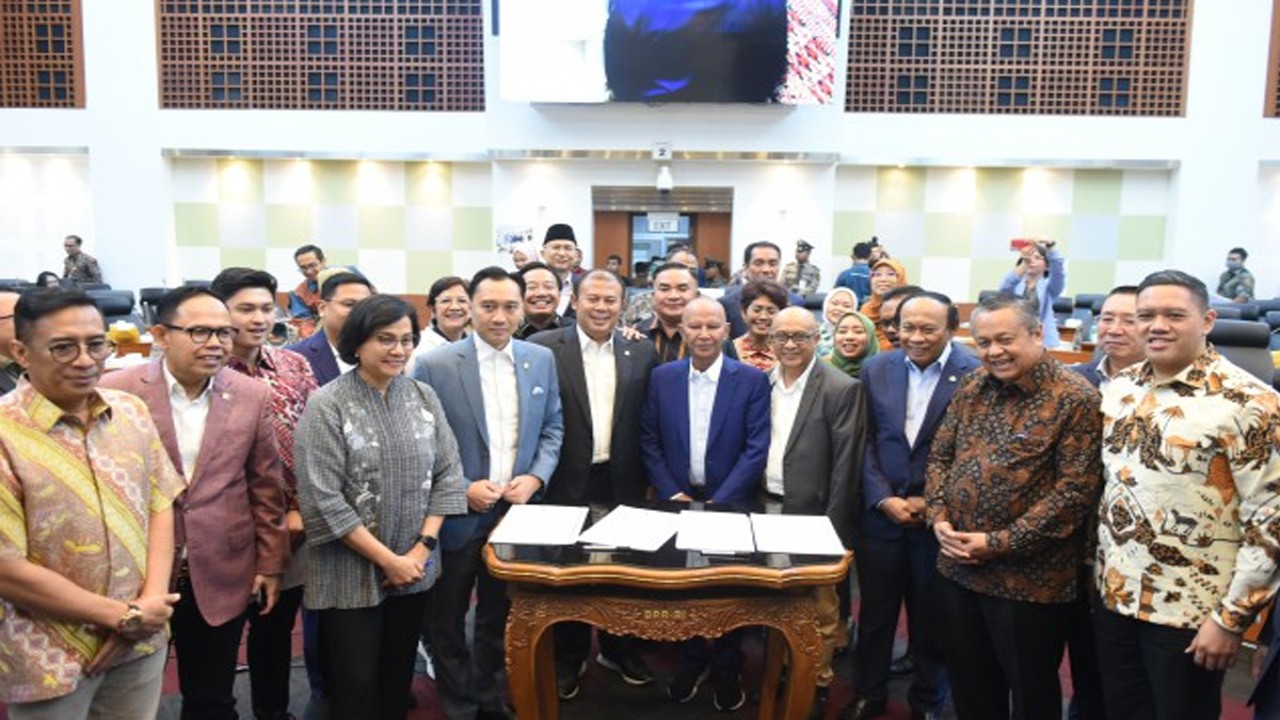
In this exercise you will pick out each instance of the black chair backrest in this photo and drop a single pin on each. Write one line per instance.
(1229, 312)
(1273, 319)
(93, 286)
(1245, 343)
(1090, 300)
(1063, 305)
(112, 303)
(1249, 311)
(985, 294)
(814, 301)
(197, 283)
(1266, 306)
(148, 300)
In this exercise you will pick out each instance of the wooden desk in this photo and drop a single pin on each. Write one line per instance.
(665, 605)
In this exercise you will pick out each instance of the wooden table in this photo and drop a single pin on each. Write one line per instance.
(663, 603)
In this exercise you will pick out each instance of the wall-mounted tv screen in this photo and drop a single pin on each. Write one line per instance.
(658, 51)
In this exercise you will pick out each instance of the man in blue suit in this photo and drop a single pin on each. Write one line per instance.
(502, 400)
(704, 436)
(339, 292)
(1266, 694)
(907, 394)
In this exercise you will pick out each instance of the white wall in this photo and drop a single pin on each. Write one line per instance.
(1220, 197)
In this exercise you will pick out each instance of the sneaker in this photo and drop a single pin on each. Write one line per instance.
(630, 668)
(567, 680)
(684, 686)
(729, 695)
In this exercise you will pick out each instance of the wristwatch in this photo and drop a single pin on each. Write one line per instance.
(131, 622)
(430, 541)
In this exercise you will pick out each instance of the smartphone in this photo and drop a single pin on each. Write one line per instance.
(1017, 244)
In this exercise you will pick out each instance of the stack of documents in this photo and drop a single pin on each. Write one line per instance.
(714, 532)
(540, 525)
(796, 534)
(628, 527)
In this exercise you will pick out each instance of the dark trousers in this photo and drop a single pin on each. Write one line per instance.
(1086, 683)
(269, 649)
(573, 644)
(1145, 673)
(206, 659)
(366, 657)
(891, 572)
(723, 654)
(998, 650)
(465, 681)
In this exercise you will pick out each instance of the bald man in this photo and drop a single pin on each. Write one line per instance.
(704, 436)
(10, 371)
(815, 453)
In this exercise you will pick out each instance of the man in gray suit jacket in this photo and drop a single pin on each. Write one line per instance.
(815, 452)
(503, 403)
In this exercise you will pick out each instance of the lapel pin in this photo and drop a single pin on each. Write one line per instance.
(627, 353)
(226, 396)
(526, 366)
(951, 378)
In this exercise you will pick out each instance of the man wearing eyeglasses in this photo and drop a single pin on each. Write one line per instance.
(232, 542)
(889, 304)
(85, 485)
(815, 453)
(10, 370)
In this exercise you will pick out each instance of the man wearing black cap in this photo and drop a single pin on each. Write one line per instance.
(801, 276)
(559, 252)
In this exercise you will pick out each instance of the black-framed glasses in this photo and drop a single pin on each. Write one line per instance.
(65, 352)
(200, 334)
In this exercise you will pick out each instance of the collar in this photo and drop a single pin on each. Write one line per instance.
(266, 361)
(485, 351)
(175, 387)
(1195, 375)
(45, 414)
(585, 341)
(712, 373)
(775, 377)
(940, 362)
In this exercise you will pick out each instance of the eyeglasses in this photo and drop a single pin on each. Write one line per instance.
(308, 267)
(890, 322)
(200, 334)
(782, 338)
(66, 351)
(388, 342)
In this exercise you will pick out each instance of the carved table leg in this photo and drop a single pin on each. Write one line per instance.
(802, 677)
(528, 642)
(774, 654)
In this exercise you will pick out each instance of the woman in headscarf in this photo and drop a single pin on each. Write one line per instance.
(839, 302)
(523, 253)
(885, 275)
(1039, 278)
(853, 343)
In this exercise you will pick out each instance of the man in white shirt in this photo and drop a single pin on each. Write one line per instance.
(232, 543)
(815, 452)
(603, 378)
(502, 400)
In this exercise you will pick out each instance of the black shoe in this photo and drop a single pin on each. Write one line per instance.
(902, 665)
(863, 709)
(567, 677)
(819, 711)
(729, 695)
(918, 714)
(630, 668)
(684, 686)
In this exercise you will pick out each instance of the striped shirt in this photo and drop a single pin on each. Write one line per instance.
(76, 500)
(381, 463)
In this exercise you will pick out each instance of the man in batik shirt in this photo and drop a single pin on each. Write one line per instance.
(250, 297)
(1190, 516)
(79, 265)
(86, 527)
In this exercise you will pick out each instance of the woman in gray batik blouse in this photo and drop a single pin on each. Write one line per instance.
(378, 470)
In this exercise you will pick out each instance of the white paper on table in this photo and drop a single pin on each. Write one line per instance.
(629, 527)
(795, 534)
(540, 525)
(716, 532)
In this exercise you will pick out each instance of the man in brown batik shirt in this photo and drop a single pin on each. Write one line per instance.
(1013, 479)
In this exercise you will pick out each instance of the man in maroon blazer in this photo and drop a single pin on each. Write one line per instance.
(232, 545)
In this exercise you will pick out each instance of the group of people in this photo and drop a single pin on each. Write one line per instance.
(1127, 510)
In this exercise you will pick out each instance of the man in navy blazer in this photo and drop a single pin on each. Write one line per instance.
(339, 292)
(907, 394)
(502, 400)
(718, 458)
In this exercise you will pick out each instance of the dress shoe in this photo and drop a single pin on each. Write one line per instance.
(729, 695)
(902, 665)
(684, 686)
(863, 709)
(631, 668)
(567, 680)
